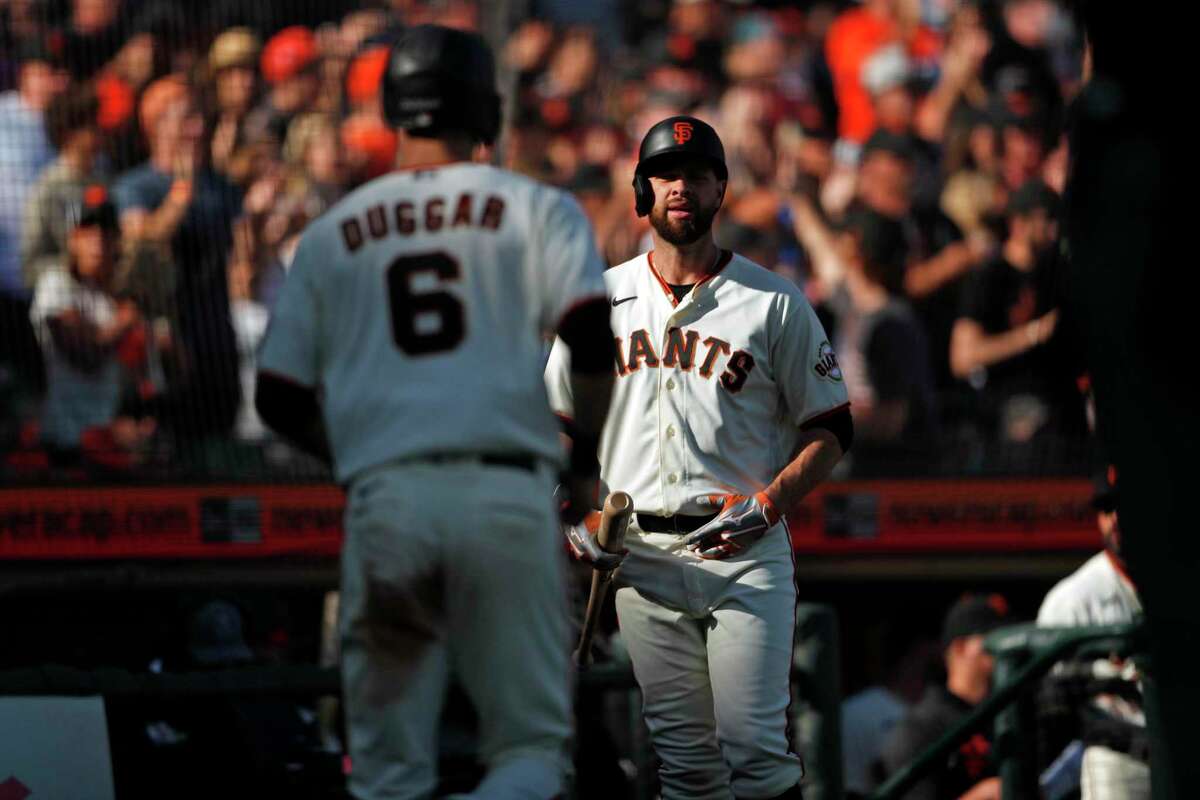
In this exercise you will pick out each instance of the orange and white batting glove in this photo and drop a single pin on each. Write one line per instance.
(741, 522)
(581, 539)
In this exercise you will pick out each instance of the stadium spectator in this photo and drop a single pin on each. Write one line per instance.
(855, 38)
(177, 216)
(970, 772)
(883, 352)
(25, 149)
(73, 126)
(232, 62)
(932, 116)
(90, 337)
(1017, 69)
(1008, 316)
(1098, 703)
(289, 63)
(369, 143)
(938, 258)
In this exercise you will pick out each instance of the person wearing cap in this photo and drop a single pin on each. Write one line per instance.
(232, 61)
(289, 64)
(1007, 318)
(72, 122)
(969, 773)
(1110, 722)
(366, 140)
(81, 323)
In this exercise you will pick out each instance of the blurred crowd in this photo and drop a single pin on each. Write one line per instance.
(902, 160)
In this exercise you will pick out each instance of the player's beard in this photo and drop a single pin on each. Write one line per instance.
(683, 231)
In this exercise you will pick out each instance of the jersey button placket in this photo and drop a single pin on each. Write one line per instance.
(673, 396)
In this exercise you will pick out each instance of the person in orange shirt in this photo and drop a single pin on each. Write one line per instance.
(853, 38)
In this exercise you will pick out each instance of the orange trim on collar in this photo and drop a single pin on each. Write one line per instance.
(666, 287)
(722, 262)
(431, 165)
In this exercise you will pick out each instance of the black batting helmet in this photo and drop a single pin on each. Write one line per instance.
(675, 137)
(440, 80)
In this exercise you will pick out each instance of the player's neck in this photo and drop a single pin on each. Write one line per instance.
(687, 263)
(414, 152)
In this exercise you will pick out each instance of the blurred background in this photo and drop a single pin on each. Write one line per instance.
(903, 161)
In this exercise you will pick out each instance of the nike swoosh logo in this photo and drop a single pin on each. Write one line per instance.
(617, 302)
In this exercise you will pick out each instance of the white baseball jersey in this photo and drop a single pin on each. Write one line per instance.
(1095, 594)
(419, 304)
(711, 391)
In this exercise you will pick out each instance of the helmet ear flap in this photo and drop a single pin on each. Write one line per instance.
(643, 194)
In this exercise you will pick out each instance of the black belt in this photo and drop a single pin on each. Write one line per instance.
(676, 523)
(526, 462)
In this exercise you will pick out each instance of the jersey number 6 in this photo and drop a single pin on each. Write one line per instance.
(424, 322)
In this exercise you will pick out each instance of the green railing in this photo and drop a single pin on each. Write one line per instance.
(1024, 653)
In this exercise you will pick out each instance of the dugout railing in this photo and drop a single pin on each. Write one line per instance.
(1024, 654)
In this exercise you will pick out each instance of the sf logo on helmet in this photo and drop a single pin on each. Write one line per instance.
(683, 132)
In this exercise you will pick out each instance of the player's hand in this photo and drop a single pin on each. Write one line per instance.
(581, 539)
(741, 522)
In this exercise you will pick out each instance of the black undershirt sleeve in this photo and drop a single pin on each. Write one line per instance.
(839, 423)
(585, 329)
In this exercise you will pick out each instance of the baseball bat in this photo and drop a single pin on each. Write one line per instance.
(614, 521)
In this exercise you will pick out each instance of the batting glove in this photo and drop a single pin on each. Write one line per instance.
(581, 539)
(741, 522)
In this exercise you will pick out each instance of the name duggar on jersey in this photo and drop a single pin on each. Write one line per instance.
(435, 214)
(680, 353)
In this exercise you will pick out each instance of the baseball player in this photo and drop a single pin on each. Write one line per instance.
(1112, 722)
(408, 344)
(728, 409)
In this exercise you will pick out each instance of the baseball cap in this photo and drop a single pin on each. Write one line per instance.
(365, 74)
(116, 101)
(288, 52)
(886, 69)
(974, 614)
(1033, 195)
(98, 209)
(45, 49)
(888, 142)
(1104, 489)
(215, 635)
(236, 47)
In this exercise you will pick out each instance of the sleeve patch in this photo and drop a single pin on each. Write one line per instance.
(826, 366)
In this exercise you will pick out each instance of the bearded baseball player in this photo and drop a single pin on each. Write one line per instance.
(728, 409)
(409, 344)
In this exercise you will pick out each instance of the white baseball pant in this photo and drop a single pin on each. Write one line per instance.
(454, 568)
(1109, 775)
(711, 645)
